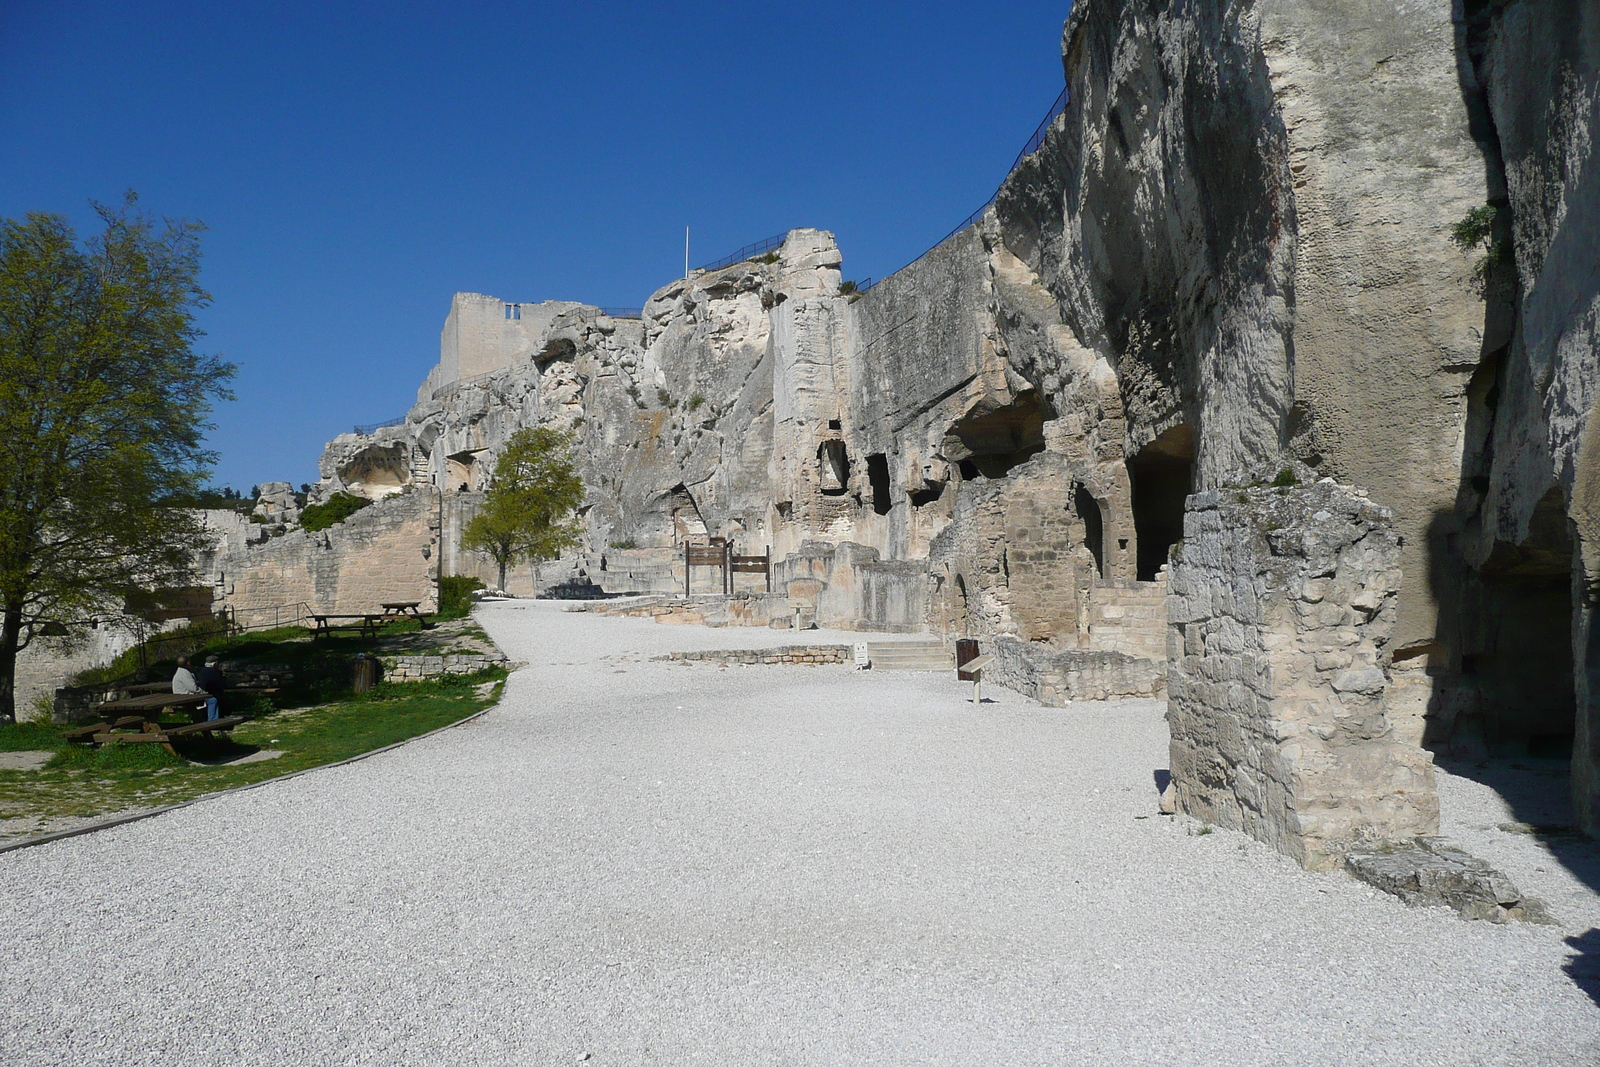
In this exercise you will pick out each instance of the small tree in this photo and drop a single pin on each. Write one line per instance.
(527, 514)
(103, 408)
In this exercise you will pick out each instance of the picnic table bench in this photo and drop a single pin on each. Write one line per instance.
(407, 609)
(164, 734)
(138, 721)
(367, 622)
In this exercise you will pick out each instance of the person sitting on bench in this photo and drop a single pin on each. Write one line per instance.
(214, 683)
(184, 684)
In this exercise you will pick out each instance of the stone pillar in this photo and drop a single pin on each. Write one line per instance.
(1280, 610)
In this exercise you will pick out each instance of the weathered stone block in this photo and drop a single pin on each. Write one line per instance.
(1277, 713)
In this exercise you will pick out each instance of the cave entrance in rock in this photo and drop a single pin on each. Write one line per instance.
(1520, 656)
(988, 442)
(878, 480)
(833, 467)
(1162, 476)
(1088, 510)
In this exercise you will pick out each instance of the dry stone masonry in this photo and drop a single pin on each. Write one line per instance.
(1283, 604)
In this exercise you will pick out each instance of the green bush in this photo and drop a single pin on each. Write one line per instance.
(455, 596)
(1285, 479)
(336, 509)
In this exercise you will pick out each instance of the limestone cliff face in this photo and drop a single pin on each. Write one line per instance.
(674, 415)
(1246, 214)
(1526, 520)
(1231, 255)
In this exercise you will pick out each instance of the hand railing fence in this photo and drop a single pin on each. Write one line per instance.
(374, 427)
(1032, 146)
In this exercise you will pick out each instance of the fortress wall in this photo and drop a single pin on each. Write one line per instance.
(385, 552)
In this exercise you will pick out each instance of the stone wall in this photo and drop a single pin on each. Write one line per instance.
(416, 668)
(792, 655)
(1056, 678)
(1282, 608)
(382, 553)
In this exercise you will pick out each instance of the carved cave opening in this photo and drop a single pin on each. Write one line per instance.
(1517, 648)
(988, 443)
(1162, 475)
(560, 350)
(669, 519)
(377, 472)
(833, 468)
(930, 491)
(878, 479)
(1088, 510)
(461, 473)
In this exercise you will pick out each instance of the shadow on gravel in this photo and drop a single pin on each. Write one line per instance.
(1584, 967)
(1539, 794)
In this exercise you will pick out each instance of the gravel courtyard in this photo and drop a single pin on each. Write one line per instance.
(635, 862)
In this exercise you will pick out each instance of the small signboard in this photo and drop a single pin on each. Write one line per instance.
(863, 657)
(966, 648)
(976, 664)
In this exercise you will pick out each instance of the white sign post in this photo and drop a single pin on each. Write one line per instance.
(863, 657)
(975, 668)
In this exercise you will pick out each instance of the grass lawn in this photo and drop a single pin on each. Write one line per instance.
(319, 721)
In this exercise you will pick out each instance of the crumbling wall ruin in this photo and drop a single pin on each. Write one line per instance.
(1283, 606)
(380, 554)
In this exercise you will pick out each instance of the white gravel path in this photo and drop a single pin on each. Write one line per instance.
(633, 862)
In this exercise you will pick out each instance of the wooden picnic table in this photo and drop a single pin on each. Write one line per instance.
(367, 622)
(164, 734)
(136, 719)
(407, 609)
(154, 702)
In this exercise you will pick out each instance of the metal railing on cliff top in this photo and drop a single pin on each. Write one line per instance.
(1032, 146)
(749, 251)
(374, 427)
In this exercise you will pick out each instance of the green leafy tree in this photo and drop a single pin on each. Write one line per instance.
(103, 407)
(527, 514)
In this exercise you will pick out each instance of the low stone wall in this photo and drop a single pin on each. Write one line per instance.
(741, 609)
(416, 668)
(792, 654)
(1056, 678)
(1281, 608)
(256, 675)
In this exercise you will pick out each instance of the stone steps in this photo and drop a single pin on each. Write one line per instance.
(910, 656)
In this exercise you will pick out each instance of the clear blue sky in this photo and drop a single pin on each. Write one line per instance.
(359, 162)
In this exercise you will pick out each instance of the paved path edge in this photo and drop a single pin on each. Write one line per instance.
(153, 812)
